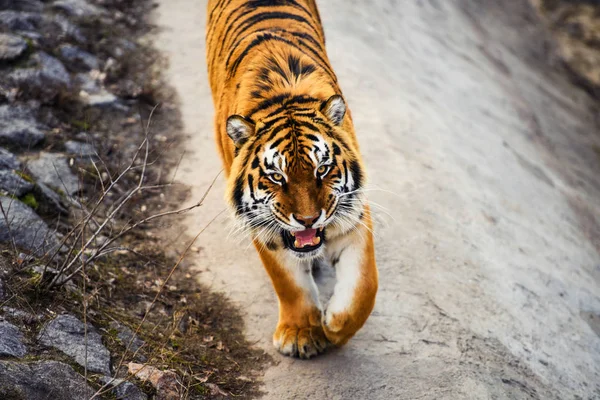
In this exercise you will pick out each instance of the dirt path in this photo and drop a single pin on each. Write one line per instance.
(489, 260)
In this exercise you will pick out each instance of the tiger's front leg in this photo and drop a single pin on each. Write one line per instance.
(299, 332)
(353, 299)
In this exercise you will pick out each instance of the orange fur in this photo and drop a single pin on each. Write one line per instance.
(267, 62)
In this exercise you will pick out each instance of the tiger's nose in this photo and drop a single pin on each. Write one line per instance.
(307, 221)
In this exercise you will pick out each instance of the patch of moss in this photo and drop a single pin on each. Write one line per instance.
(25, 176)
(83, 125)
(30, 200)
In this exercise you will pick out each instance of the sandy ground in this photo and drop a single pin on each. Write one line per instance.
(489, 168)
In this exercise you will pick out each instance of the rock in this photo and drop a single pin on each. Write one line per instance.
(19, 21)
(50, 202)
(166, 383)
(13, 184)
(79, 8)
(67, 334)
(126, 335)
(25, 228)
(77, 58)
(53, 170)
(124, 390)
(11, 47)
(8, 160)
(86, 83)
(103, 98)
(11, 341)
(61, 28)
(18, 128)
(42, 380)
(2, 290)
(80, 149)
(22, 5)
(43, 77)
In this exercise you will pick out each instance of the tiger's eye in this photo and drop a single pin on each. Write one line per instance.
(321, 170)
(277, 177)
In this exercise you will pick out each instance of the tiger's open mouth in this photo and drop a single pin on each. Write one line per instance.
(304, 241)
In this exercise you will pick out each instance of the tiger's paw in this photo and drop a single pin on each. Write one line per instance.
(304, 340)
(338, 328)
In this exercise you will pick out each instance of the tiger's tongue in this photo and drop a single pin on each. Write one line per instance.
(305, 237)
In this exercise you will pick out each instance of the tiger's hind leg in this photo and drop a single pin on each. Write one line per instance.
(299, 332)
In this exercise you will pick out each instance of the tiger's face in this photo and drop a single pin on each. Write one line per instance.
(295, 180)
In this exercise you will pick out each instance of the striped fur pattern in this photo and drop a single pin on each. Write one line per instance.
(295, 175)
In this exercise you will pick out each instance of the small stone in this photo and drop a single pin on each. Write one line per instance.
(78, 8)
(53, 170)
(11, 341)
(126, 335)
(103, 98)
(63, 28)
(77, 58)
(42, 77)
(25, 228)
(80, 149)
(42, 380)
(18, 128)
(50, 202)
(13, 184)
(87, 83)
(8, 161)
(124, 390)
(67, 334)
(19, 21)
(11, 47)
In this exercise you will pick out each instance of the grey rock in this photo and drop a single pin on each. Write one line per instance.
(126, 335)
(11, 47)
(80, 149)
(63, 28)
(43, 77)
(79, 8)
(103, 98)
(22, 5)
(18, 128)
(19, 21)
(11, 341)
(2, 290)
(50, 202)
(67, 334)
(13, 184)
(42, 380)
(78, 58)
(124, 390)
(86, 83)
(25, 228)
(53, 170)
(8, 160)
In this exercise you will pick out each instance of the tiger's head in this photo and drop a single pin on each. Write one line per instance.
(296, 178)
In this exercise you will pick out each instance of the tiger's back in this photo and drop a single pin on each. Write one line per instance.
(261, 53)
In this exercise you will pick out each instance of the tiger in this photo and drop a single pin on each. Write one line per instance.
(295, 176)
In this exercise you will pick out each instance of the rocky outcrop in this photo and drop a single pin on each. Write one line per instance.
(68, 334)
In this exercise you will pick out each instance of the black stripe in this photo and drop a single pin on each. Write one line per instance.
(255, 19)
(282, 99)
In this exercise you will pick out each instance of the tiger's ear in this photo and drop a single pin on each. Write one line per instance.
(239, 129)
(334, 109)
